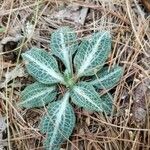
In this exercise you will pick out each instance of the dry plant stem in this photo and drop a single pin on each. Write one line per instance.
(18, 9)
(113, 53)
(90, 5)
(7, 116)
(136, 66)
(112, 139)
(120, 127)
(133, 27)
(134, 146)
(8, 23)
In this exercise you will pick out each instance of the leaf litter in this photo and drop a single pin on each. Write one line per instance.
(114, 16)
(140, 102)
(18, 71)
(73, 13)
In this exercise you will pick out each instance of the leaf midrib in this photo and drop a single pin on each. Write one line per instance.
(59, 116)
(82, 94)
(37, 95)
(99, 80)
(45, 68)
(90, 56)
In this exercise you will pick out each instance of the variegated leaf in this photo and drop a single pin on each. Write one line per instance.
(92, 54)
(58, 123)
(107, 78)
(37, 95)
(107, 102)
(42, 66)
(84, 95)
(63, 45)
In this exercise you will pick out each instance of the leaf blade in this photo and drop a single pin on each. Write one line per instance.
(106, 78)
(42, 66)
(84, 95)
(92, 54)
(37, 95)
(63, 45)
(58, 123)
(107, 102)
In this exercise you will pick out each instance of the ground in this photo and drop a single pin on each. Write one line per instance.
(28, 23)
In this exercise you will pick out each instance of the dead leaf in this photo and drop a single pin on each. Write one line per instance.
(2, 124)
(88, 121)
(28, 29)
(18, 71)
(2, 129)
(73, 13)
(10, 38)
(139, 102)
(7, 45)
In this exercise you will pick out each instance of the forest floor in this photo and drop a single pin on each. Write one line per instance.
(28, 23)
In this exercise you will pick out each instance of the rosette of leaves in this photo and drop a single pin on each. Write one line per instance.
(80, 60)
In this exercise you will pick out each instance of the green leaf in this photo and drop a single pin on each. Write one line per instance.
(42, 66)
(84, 95)
(106, 78)
(37, 95)
(92, 54)
(107, 102)
(46, 146)
(63, 45)
(58, 123)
